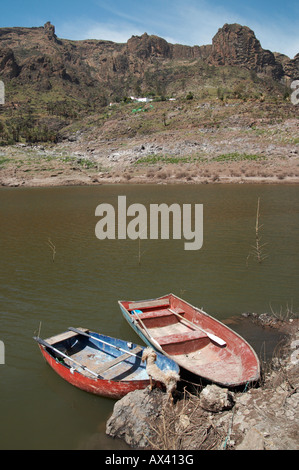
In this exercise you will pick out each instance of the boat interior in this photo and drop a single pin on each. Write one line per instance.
(103, 359)
(196, 341)
(169, 326)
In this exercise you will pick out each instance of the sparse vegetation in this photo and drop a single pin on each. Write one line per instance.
(196, 141)
(237, 157)
(3, 161)
(268, 408)
(154, 159)
(284, 314)
(186, 426)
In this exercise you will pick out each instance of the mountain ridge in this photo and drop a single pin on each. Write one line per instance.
(52, 82)
(233, 45)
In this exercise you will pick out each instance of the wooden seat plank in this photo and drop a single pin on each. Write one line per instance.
(180, 337)
(118, 359)
(154, 314)
(149, 304)
(163, 312)
(179, 310)
(64, 336)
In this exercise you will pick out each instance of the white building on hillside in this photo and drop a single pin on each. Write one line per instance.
(141, 100)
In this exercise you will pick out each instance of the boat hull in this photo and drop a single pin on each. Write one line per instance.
(104, 388)
(100, 360)
(199, 343)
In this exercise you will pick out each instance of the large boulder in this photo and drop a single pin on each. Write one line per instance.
(216, 399)
(134, 416)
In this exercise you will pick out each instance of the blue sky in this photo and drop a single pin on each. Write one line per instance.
(192, 22)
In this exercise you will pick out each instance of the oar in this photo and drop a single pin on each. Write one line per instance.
(214, 338)
(147, 332)
(47, 345)
(101, 341)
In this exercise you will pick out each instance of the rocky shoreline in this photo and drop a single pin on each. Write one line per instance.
(242, 151)
(77, 171)
(264, 417)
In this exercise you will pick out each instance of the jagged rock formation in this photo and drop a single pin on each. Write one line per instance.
(290, 67)
(237, 45)
(34, 61)
(8, 65)
(37, 56)
(49, 30)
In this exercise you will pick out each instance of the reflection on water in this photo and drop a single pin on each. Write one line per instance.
(81, 287)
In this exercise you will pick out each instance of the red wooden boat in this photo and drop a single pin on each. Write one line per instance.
(99, 364)
(198, 342)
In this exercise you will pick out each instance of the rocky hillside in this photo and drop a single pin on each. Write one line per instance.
(51, 82)
(38, 57)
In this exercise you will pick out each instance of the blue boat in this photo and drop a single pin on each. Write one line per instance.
(99, 364)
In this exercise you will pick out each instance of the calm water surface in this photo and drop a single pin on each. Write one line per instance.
(81, 288)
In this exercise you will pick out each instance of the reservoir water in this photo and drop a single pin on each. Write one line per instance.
(86, 278)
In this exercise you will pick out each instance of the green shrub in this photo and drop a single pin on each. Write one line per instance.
(237, 157)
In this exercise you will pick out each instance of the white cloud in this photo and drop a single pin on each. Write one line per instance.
(111, 32)
(116, 32)
(196, 23)
(192, 23)
(199, 22)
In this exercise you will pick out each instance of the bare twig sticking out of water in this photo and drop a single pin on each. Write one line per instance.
(258, 246)
(53, 248)
(257, 249)
(284, 315)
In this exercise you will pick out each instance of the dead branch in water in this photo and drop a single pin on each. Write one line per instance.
(257, 249)
(53, 248)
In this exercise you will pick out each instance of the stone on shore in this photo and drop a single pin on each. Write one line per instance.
(264, 417)
(216, 399)
(253, 440)
(134, 416)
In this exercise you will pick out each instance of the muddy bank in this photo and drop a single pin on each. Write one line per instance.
(264, 417)
(207, 173)
(238, 154)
